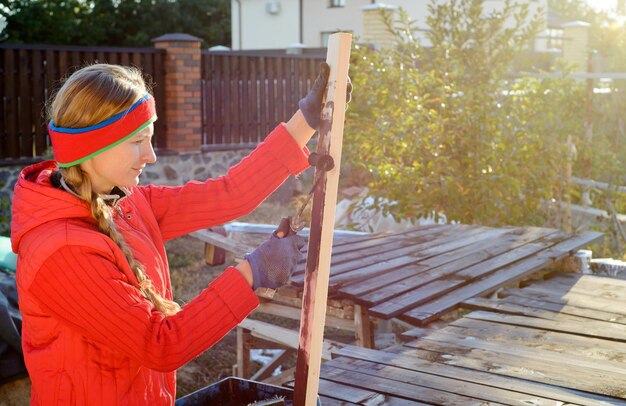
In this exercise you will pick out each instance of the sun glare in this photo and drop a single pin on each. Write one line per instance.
(604, 5)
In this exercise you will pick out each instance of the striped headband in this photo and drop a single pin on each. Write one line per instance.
(72, 146)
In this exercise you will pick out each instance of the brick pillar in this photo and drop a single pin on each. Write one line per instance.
(374, 30)
(182, 91)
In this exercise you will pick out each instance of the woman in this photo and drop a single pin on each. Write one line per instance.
(99, 322)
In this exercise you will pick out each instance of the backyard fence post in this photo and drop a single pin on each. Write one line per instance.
(182, 91)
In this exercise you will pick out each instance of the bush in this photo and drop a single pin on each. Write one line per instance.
(445, 129)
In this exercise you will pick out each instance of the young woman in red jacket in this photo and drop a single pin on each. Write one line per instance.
(99, 323)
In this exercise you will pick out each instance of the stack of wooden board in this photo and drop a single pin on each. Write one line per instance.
(554, 342)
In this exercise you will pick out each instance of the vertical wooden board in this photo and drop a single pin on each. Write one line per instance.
(253, 109)
(25, 106)
(39, 97)
(89, 58)
(204, 89)
(10, 103)
(271, 92)
(216, 100)
(280, 89)
(236, 90)
(51, 76)
(125, 59)
(76, 60)
(226, 136)
(3, 114)
(321, 233)
(113, 58)
(136, 59)
(245, 115)
(262, 102)
(63, 64)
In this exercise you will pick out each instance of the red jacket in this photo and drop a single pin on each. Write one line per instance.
(89, 337)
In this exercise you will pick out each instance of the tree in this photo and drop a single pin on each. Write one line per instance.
(443, 129)
(113, 23)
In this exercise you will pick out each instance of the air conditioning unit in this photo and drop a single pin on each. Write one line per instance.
(272, 7)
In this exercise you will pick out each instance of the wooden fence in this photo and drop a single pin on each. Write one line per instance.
(245, 94)
(29, 73)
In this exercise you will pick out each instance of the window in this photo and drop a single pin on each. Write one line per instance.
(337, 3)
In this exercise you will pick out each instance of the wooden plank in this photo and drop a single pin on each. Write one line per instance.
(362, 327)
(285, 336)
(537, 338)
(595, 286)
(421, 315)
(440, 383)
(25, 108)
(348, 393)
(11, 103)
(353, 247)
(396, 388)
(39, 97)
(397, 305)
(479, 303)
(534, 365)
(366, 268)
(408, 358)
(262, 107)
(243, 353)
(571, 298)
(373, 291)
(4, 137)
(293, 313)
(590, 328)
(565, 309)
(267, 369)
(528, 353)
(413, 247)
(603, 281)
(237, 248)
(322, 223)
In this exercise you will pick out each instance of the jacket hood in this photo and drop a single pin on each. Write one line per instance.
(36, 201)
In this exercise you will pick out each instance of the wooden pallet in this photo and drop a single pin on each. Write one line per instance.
(554, 342)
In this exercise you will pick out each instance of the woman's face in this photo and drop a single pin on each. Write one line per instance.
(121, 165)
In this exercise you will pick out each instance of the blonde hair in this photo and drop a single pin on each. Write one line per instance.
(88, 97)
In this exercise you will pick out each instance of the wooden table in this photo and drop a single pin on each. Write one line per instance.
(555, 342)
(418, 275)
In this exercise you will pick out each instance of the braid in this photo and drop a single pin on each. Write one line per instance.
(75, 177)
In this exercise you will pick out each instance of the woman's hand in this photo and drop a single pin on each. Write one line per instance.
(306, 120)
(274, 261)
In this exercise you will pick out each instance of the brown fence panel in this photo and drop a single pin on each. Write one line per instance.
(246, 94)
(30, 73)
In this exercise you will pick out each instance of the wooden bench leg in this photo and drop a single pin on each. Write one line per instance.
(214, 255)
(363, 330)
(243, 353)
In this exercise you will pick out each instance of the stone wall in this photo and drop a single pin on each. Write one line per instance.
(170, 170)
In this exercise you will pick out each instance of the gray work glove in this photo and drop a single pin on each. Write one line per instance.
(274, 261)
(311, 104)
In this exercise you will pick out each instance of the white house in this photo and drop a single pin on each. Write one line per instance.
(277, 24)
